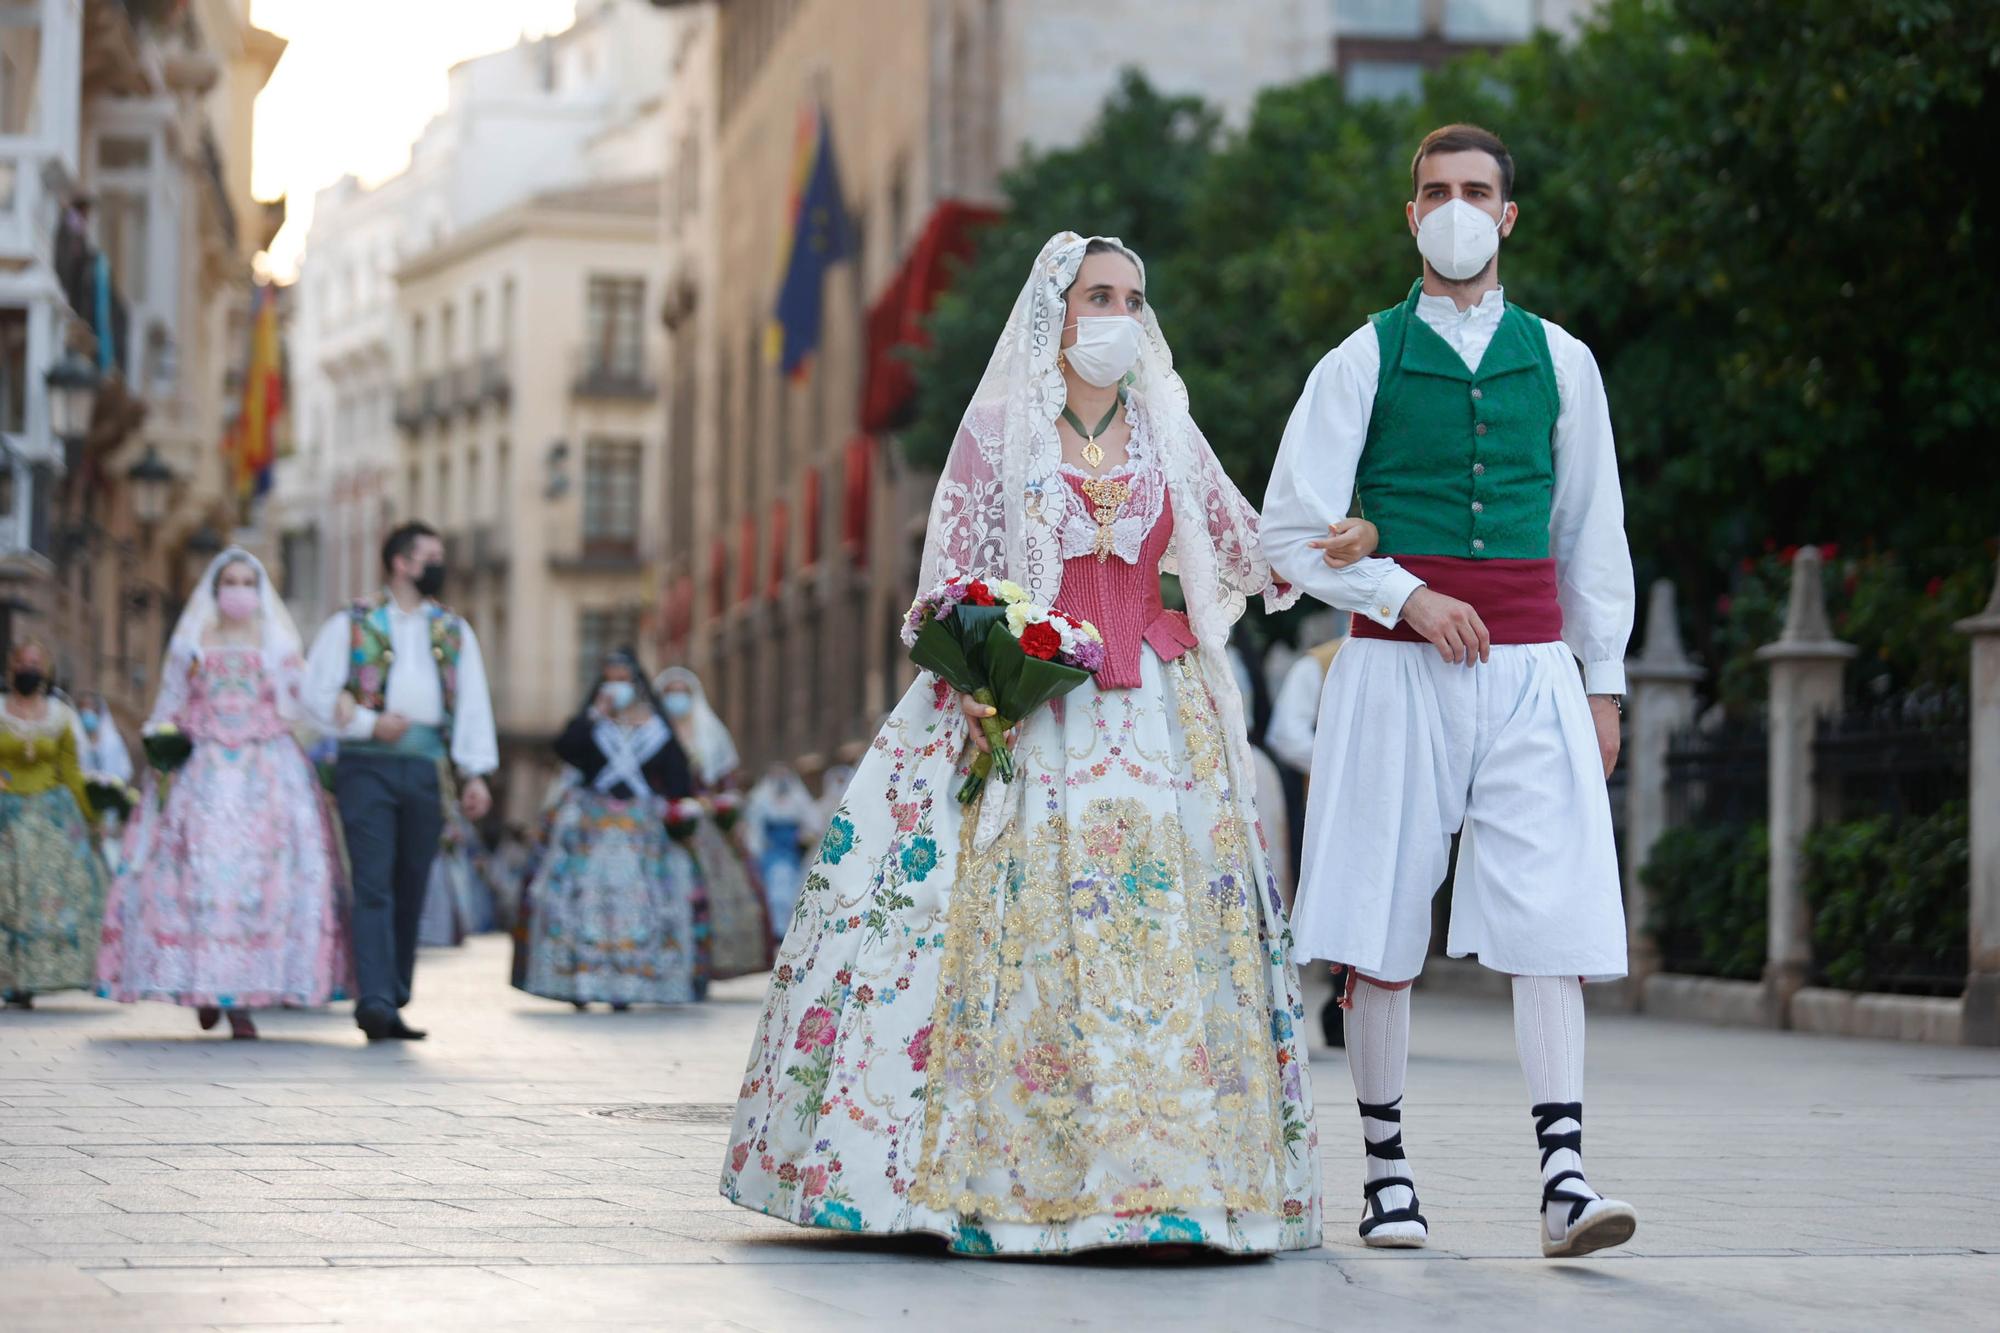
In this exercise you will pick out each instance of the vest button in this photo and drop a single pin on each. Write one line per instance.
(1478, 508)
(1480, 429)
(1479, 469)
(1478, 394)
(1478, 545)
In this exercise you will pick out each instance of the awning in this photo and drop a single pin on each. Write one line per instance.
(895, 321)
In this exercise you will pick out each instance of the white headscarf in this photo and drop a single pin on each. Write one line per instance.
(711, 750)
(282, 648)
(1001, 501)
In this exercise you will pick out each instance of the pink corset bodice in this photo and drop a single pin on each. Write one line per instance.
(232, 700)
(1123, 601)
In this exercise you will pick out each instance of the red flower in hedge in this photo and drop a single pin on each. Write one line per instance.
(1041, 640)
(978, 594)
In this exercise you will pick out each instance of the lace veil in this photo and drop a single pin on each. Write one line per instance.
(1000, 501)
(283, 652)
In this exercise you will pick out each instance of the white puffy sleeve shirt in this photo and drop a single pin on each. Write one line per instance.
(1312, 485)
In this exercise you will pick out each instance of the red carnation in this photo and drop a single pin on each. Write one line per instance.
(979, 594)
(1041, 640)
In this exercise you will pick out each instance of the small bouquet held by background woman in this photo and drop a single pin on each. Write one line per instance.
(167, 747)
(990, 641)
(684, 818)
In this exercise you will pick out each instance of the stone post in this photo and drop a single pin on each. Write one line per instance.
(1662, 682)
(1982, 983)
(1806, 668)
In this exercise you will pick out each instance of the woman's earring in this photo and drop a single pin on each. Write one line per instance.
(1062, 362)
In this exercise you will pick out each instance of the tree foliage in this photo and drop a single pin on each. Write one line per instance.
(1767, 221)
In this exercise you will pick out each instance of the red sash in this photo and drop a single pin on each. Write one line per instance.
(1516, 598)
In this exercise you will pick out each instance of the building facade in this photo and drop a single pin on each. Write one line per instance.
(125, 250)
(793, 525)
(532, 438)
(577, 106)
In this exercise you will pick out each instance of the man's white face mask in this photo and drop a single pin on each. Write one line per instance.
(1458, 239)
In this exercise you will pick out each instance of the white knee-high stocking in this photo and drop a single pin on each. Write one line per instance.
(1548, 1033)
(1378, 1056)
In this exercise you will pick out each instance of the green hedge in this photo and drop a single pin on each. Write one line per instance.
(1889, 898)
(1709, 890)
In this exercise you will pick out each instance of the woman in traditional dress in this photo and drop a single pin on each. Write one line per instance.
(230, 900)
(778, 817)
(51, 878)
(616, 903)
(1065, 1017)
(739, 914)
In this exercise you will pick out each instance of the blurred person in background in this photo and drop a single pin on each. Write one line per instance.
(52, 880)
(230, 899)
(614, 909)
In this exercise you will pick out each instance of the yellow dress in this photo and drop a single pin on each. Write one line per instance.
(52, 881)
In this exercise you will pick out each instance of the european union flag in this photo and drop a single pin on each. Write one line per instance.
(820, 239)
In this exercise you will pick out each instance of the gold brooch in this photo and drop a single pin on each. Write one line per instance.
(1107, 497)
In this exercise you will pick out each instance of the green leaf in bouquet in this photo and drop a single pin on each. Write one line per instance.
(1021, 683)
(168, 750)
(974, 629)
(938, 651)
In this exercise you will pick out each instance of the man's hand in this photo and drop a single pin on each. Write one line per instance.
(391, 727)
(1452, 626)
(1346, 542)
(475, 800)
(1604, 713)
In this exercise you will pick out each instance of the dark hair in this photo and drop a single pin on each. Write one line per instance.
(402, 539)
(242, 558)
(1466, 139)
(1099, 246)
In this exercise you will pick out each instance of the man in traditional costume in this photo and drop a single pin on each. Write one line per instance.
(400, 680)
(1477, 438)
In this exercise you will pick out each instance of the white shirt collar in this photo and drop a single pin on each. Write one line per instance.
(1442, 308)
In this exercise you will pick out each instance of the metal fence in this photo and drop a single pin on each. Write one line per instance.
(1719, 774)
(1902, 756)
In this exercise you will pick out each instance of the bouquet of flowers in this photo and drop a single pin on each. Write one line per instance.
(167, 747)
(108, 797)
(989, 640)
(728, 808)
(683, 818)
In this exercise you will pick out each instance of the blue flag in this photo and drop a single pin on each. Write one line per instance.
(820, 239)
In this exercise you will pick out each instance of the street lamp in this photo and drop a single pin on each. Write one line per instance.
(150, 479)
(73, 383)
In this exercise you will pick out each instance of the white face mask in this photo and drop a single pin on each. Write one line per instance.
(620, 694)
(678, 704)
(1458, 239)
(1106, 348)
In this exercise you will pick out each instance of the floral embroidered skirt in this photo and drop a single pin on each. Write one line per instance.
(739, 916)
(1085, 1034)
(51, 894)
(233, 891)
(614, 908)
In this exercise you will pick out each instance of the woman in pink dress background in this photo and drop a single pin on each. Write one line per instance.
(229, 900)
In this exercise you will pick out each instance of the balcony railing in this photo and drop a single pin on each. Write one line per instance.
(597, 376)
(496, 380)
(489, 548)
(437, 396)
(410, 406)
(465, 395)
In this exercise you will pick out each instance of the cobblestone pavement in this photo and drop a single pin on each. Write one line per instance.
(529, 1167)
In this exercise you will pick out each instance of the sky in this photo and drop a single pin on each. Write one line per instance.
(357, 86)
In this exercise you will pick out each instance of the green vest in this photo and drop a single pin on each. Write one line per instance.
(1459, 462)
